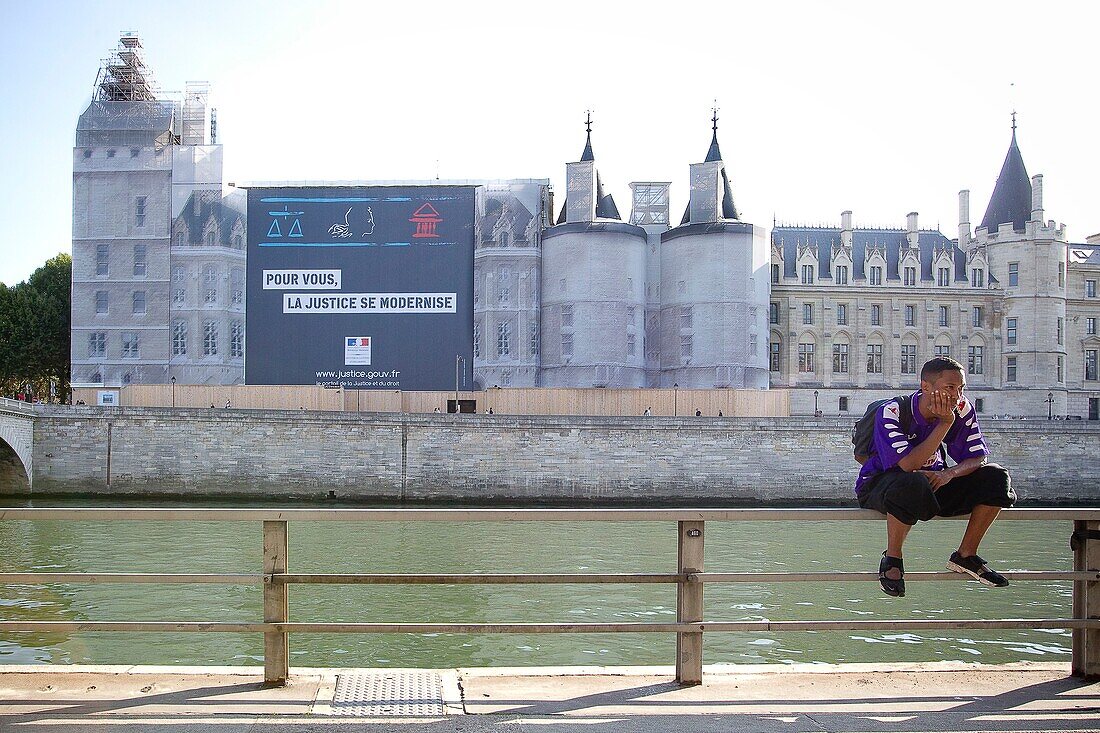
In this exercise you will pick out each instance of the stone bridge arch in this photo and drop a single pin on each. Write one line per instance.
(16, 432)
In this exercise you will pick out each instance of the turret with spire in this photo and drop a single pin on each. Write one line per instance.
(1028, 259)
(713, 287)
(709, 181)
(592, 332)
(582, 202)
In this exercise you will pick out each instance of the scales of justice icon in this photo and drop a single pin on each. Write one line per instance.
(275, 230)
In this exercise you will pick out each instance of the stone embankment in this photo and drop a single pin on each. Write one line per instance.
(489, 458)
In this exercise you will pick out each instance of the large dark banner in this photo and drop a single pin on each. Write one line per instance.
(364, 287)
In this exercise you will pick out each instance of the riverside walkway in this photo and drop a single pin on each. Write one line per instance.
(946, 696)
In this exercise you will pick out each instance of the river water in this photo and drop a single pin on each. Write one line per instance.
(560, 547)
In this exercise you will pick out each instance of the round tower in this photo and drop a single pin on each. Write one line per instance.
(593, 288)
(714, 288)
(1027, 258)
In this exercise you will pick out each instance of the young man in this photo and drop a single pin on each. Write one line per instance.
(907, 479)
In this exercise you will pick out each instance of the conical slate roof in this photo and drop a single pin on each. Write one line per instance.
(587, 153)
(1011, 200)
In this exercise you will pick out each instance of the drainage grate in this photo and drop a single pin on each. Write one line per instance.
(401, 694)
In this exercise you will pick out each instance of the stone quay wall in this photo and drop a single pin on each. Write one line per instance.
(494, 458)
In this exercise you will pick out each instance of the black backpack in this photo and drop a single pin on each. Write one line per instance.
(864, 429)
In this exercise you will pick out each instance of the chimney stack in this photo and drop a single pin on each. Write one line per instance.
(1037, 198)
(912, 230)
(846, 228)
(964, 217)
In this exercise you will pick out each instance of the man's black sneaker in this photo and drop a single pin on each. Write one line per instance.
(976, 568)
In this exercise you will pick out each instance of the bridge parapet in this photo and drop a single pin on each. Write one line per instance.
(16, 435)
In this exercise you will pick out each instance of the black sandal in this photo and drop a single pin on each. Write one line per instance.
(890, 586)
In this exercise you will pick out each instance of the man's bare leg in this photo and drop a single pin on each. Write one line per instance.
(896, 532)
(981, 518)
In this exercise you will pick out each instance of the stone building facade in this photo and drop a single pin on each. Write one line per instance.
(508, 282)
(854, 311)
(206, 310)
(839, 315)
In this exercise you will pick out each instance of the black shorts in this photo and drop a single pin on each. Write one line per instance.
(909, 496)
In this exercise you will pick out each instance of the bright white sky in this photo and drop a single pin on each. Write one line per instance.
(881, 108)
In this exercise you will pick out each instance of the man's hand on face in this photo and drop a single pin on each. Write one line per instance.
(942, 406)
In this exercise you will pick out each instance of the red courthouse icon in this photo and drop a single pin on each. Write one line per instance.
(426, 218)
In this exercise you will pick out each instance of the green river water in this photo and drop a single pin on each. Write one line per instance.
(573, 547)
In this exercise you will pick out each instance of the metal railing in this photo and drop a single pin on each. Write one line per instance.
(689, 579)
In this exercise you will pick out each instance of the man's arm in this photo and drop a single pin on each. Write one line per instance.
(967, 448)
(943, 410)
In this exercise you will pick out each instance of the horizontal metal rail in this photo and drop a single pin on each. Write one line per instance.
(689, 579)
(502, 515)
(96, 578)
(547, 628)
(512, 578)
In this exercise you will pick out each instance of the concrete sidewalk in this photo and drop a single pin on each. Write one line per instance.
(793, 699)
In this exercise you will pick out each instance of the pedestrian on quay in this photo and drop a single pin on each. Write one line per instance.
(647, 412)
(903, 444)
(698, 413)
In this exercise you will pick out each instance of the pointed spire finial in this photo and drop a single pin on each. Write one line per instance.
(714, 117)
(1014, 122)
(587, 154)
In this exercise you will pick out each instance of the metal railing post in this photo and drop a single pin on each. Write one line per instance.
(276, 606)
(1086, 599)
(689, 603)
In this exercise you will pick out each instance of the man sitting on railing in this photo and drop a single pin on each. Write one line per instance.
(906, 476)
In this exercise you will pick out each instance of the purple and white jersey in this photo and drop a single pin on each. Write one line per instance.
(890, 443)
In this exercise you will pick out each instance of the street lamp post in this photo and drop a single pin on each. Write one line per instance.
(675, 399)
(1050, 405)
(173, 391)
(816, 411)
(460, 362)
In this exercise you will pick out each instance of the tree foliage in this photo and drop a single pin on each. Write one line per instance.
(34, 332)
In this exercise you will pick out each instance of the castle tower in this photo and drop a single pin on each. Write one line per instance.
(137, 161)
(1027, 258)
(714, 288)
(593, 288)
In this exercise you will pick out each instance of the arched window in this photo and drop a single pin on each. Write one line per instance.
(841, 354)
(775, 350)
(875, 350)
